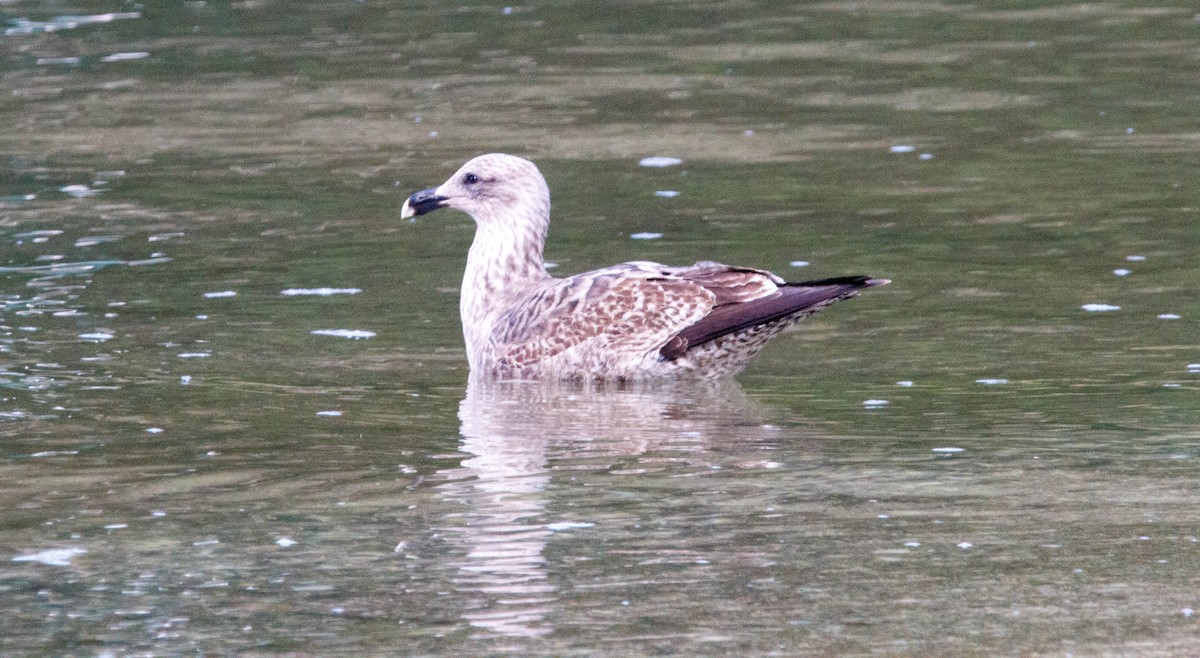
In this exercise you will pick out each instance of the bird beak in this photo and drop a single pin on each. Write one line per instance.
(422, 202)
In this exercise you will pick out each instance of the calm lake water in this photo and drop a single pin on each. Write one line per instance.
(234, 410)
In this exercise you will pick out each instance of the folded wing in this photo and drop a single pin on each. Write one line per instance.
(637, 308)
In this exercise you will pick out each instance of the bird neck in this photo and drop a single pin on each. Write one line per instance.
(504, 260)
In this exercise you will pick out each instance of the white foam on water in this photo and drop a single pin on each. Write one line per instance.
(569, 525)
(79, 191)
(96, 337)
(319, 292)
(659, 161)
(62, 61)
(344, 333)
(949, 450)
(330, 413)
(55, 557)
(125, 57)
(901, 148)
(645, 236)
(991, 382)
(799, 263)
(667, 194)
(1168, 316)
(1100, 308)
(220, 293)
(26, 26)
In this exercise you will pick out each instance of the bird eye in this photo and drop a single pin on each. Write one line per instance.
(470, 179)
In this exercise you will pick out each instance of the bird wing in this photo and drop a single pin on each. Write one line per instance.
(788, 300)
(639, 307)
(632, 309)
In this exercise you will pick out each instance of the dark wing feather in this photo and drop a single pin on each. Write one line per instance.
(790, 299)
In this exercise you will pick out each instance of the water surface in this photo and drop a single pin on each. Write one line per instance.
(234, 407)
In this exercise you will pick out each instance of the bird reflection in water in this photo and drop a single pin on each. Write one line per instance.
(520, 435)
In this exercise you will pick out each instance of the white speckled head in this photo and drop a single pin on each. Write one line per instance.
(498, 187)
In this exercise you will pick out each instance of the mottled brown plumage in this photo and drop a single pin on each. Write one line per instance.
(629, 321)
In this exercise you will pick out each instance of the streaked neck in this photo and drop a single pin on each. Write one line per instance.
(504, 260)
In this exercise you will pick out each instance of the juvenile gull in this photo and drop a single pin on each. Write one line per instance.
(630, 321)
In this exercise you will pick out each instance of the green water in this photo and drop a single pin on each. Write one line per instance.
(1030, 488)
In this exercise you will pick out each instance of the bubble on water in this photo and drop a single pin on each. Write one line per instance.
(925, 156)
(907, 383)
(659, 161)
(645, 236)
(125, 57)
(901, 148)
(991, 381)
(1100, 308)
(319, 292)
(26, 26)
(194, 355)
(96, 336)
(1168, 316)
(344, 333)
(667, 194)
(875, 403)
(799, 263)
(55, 557)
(58, 61)
(79, 191)
(948, 450)
(569, 525)
(1120, 271)
(285, 542)
(93, 240)
(964, 545)
(1135, 258)
(220, 294)
(331, 413)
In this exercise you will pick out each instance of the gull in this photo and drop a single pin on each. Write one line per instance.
(633, 321)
